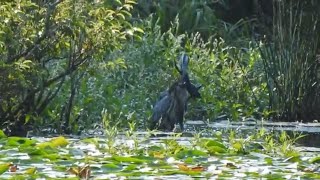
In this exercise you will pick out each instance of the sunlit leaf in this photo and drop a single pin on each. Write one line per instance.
(110, 167)
(215, 149)
(268, 160)
(2, 135)
(129, 159)
(315, 160)
(31, 170)
(55, 142)
(158, 155)
(238, 146)
(4, 167)
(183, 167)
(20, 141)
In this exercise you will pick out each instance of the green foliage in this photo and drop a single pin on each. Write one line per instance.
(291, 61)
(129, 83)
(171, 157)
(47, 48)
(196, 16)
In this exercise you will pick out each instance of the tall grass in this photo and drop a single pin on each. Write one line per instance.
(290, 60)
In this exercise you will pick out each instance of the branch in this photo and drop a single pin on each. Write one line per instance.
(50, 9)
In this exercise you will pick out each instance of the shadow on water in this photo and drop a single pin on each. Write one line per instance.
(310, 131)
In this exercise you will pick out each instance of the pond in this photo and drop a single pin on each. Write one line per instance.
(238, 150)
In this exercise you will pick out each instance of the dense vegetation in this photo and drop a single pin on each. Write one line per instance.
(64, 64)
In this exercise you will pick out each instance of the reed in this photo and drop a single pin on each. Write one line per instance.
(291, 60)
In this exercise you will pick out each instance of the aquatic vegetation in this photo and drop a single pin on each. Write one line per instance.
(139, 155)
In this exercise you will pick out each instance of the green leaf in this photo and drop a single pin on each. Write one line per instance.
(110, 167)
(20, 141)
(216, 149)
(4, 168)
(315, 160)
(129, 160)
(191, 153)
(55, 142)
(2, 135)
(138, 29)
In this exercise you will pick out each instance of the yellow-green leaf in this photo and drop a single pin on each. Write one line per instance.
(4, 167)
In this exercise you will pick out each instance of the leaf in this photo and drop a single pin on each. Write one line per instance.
(191, 153)
(4, 167)
(210, 143)
(183, 167)
(20, 141)
(31, 171)
(158, 155)
(55, 142)
(2, 135)
(110, 166)
(136, 29)
(268, 160)
(315, 160)
(237, 146)
(215, 149)
(27, 119)
(129, 159)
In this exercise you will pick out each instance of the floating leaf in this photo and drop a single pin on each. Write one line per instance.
(55, 142)
(20, 141)
(31, 171)
(4, 167)
(315, 160)
(191, 153)
(268, 160)
(183, 167)
(129, 159)
(158, 155)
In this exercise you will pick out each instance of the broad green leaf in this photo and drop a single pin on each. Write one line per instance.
(129, 160)
(110, 167)
(216, 149)
(209, 143)
(4, 167)
(268, 160)
(191, 153)
(20, 141)
(237, 146)
(315, 160)
(31, 170)
(55, 142)
(2, 135)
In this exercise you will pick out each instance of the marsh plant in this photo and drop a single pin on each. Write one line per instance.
(291, 61)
